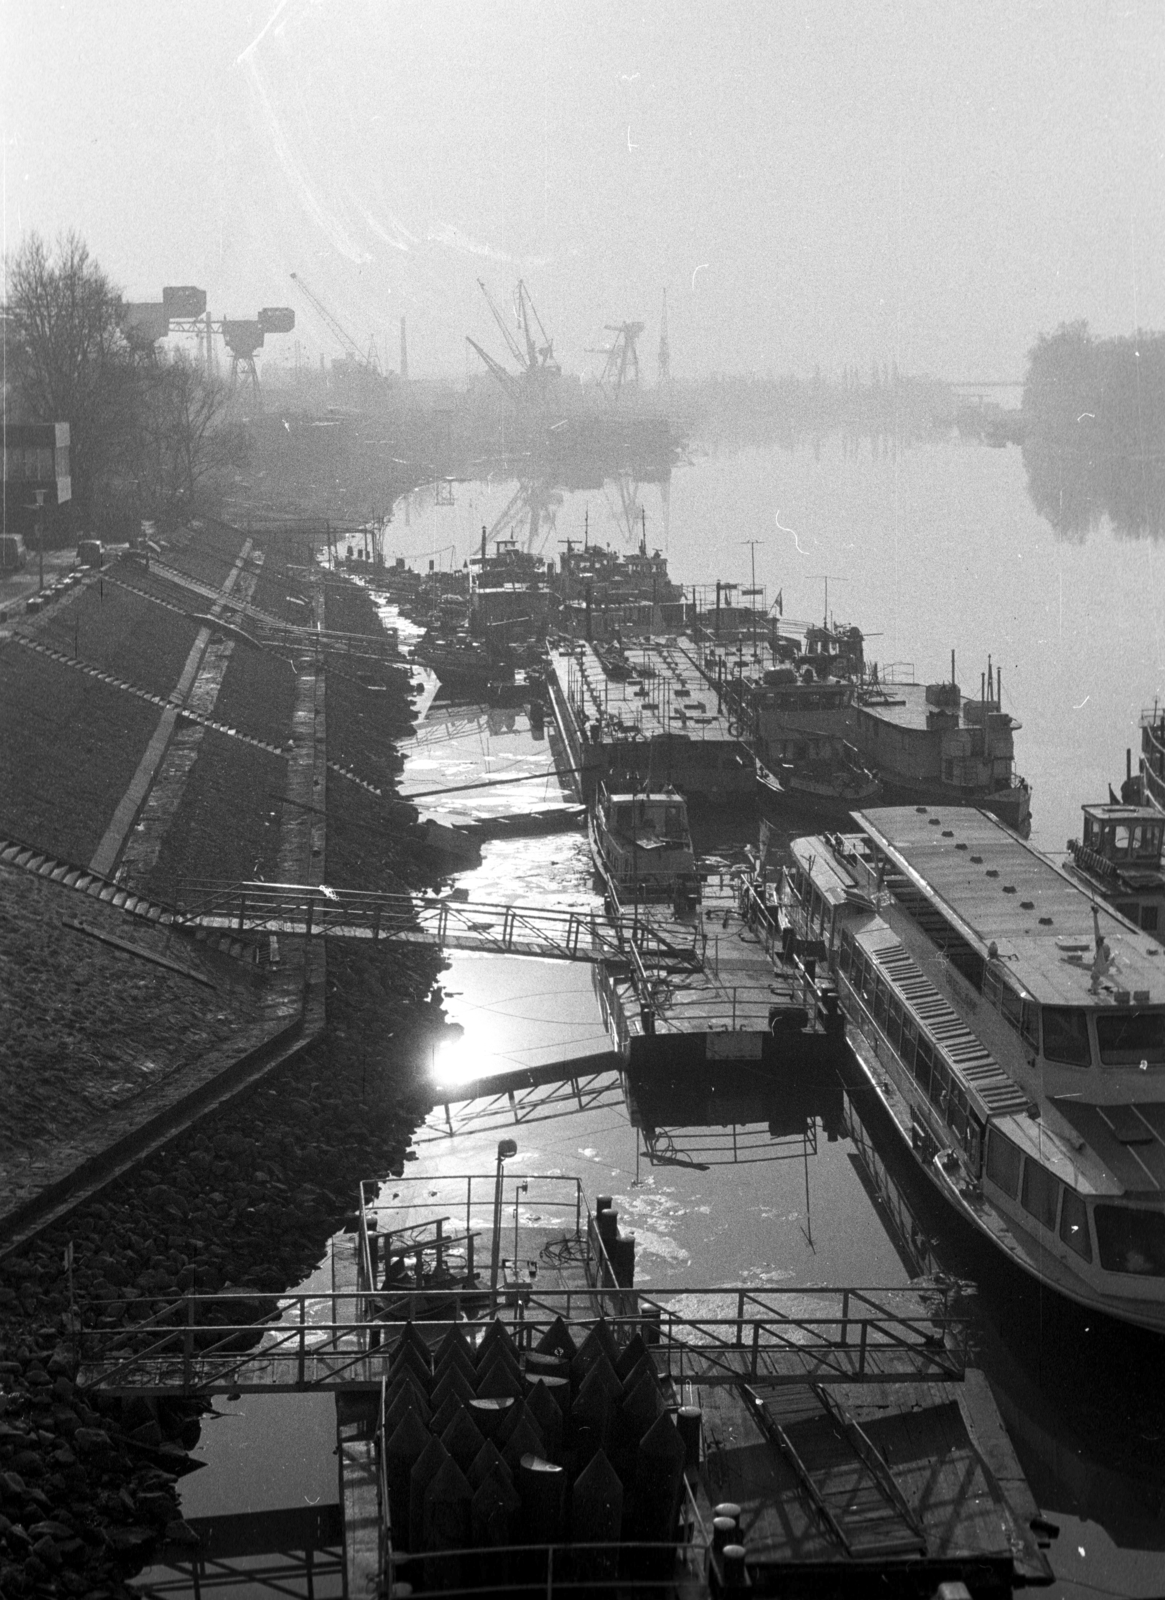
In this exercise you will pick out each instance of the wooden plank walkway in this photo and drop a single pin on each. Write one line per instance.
(817, 1503)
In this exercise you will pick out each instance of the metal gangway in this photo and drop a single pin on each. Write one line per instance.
(270, 628)
(202, 1344)
(317, 910)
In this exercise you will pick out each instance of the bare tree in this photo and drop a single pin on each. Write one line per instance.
(147, 434)
(185, 435)
(65, 352)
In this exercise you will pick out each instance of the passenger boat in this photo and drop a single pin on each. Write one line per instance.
(1013, 1027)
(642, 847)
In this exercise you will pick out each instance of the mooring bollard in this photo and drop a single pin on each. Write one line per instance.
(729, 1509)
(732, 1559)
(723, 1533)
(690, 1423)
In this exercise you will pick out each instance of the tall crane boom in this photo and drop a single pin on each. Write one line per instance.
(515, 348)
(507, 380)
(539, 357)
(350, 347)
(536, 360)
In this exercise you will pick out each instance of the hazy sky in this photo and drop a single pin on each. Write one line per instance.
(811, 182)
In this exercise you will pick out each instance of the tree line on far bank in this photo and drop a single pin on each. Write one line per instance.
(1094, 411)
(149, 430)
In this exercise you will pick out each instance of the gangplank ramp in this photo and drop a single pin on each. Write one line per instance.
(313, 911)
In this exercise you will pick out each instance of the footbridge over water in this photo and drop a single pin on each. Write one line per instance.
(311, 911)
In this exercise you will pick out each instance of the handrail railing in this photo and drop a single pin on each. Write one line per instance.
(848, 1333)
(309, 909)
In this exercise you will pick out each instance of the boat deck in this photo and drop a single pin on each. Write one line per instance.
(724, 1001)
(923, 1474)
(668, 693)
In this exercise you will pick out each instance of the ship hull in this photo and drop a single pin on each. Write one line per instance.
(806, 807)
(1012, 806)
(892, 1085)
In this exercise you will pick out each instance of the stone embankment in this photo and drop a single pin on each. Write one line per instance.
(245, 1199)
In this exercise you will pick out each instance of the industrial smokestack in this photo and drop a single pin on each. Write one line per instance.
(404, 351)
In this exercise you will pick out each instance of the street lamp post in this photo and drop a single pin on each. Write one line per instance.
(39, 509)
(506, 1148)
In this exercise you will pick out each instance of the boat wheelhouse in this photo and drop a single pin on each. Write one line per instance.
(1015, 1030)
(1119, 859)
(642, 847)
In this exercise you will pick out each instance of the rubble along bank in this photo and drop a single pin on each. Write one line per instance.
(248, 1199)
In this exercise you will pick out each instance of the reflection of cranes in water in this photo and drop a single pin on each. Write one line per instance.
(532, 508)
(630, 514)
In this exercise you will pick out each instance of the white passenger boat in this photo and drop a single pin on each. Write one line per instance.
(1015, 1030)
(642, 847)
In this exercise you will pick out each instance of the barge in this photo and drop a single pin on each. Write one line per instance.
(813, 706)
(646, 715)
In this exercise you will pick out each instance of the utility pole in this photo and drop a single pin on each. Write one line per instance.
(825, 577)
(752, 544)
(506, 1148)
(39, 509)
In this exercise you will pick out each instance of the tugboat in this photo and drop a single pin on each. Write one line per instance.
(1119, 860)
(462, 664)
(642, 847)
(924, 743)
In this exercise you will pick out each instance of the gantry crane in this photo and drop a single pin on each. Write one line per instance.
(622, 364)
(366, 362)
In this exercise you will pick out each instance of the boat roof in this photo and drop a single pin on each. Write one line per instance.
(999, 891)
(671, 797)
(904, 704)
(1121, 813)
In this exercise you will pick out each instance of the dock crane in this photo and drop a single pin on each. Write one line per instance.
(622, 364)
(534, 355)
(367, 363)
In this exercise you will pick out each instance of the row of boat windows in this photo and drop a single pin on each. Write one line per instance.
(1141, 915)
(922, 1055)
(667, 820)
(1128, 1240)
(1120, 841)
(811, 701)
(1122, 1038)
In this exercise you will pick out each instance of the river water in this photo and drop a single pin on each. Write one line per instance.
(927, 550)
